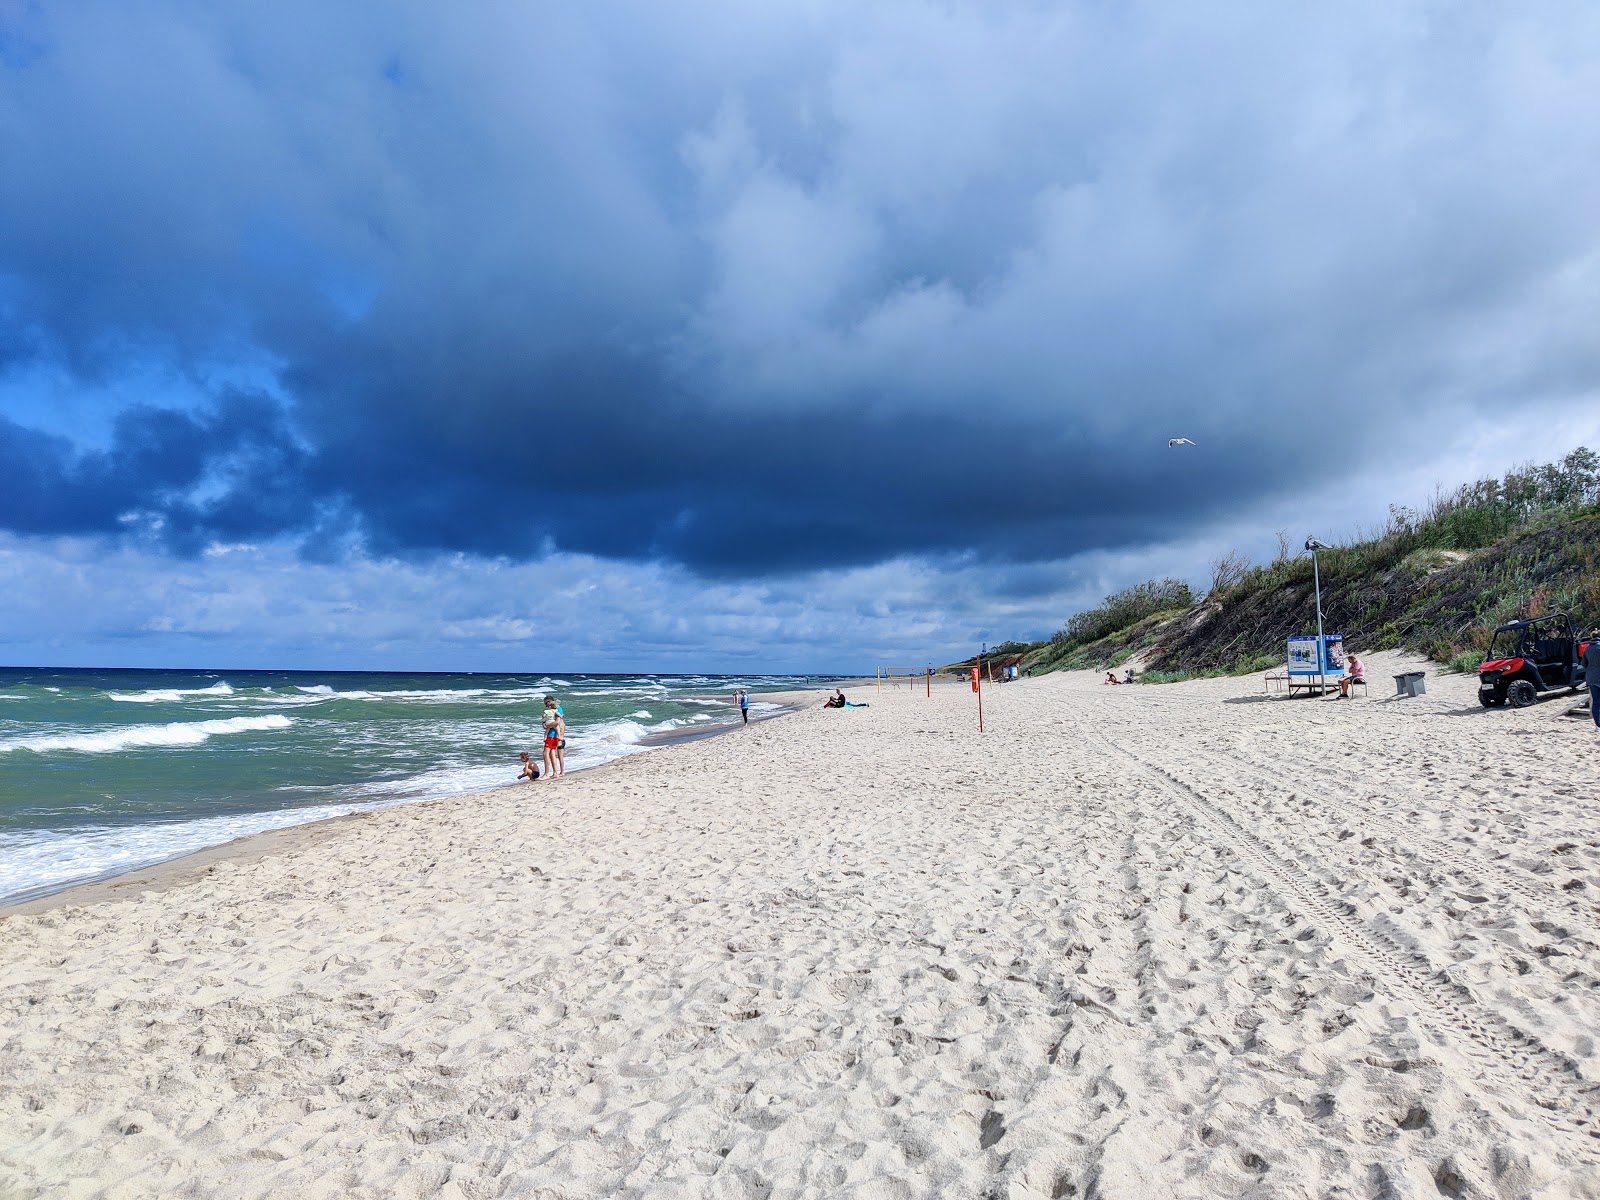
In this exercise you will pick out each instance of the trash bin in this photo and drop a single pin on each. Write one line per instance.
(1410, 684)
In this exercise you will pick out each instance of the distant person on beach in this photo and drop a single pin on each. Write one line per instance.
(555, 739)
(1128, 678)
(1356, 672)
(1591, 673)
(744, 705)
(1111, 677)
(530, 769)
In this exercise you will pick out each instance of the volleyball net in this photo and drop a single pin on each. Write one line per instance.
(923, 677)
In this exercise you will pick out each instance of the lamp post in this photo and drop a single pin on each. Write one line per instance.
(1316, 576)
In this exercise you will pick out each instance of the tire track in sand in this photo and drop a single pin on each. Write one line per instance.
(1553, 1082)
(1442, 854)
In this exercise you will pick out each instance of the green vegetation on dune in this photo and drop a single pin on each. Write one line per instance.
(1436, 581)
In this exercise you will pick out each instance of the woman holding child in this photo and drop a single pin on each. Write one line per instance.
(555, 739)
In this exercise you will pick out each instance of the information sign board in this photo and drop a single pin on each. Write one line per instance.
(1304, 660)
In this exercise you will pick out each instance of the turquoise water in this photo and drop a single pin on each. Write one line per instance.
(106, 771)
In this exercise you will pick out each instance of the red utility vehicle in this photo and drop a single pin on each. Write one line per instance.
(1529, 657)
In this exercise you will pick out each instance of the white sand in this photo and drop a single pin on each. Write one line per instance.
(1134, 942)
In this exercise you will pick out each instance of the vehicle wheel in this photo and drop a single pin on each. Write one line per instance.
(1521, 694)
(1491, 699)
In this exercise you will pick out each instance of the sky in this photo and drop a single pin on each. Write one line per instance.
(753, 337)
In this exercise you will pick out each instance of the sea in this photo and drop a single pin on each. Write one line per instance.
(106, 771)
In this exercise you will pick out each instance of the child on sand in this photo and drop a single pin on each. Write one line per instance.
(530, 769)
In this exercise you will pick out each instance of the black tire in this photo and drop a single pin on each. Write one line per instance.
(1491, 699)
(1521, 694)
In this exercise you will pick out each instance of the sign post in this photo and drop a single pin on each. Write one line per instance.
(977, 686)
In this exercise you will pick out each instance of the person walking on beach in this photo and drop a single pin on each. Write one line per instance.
(744, 705)
(555, 739)
(1591, 674)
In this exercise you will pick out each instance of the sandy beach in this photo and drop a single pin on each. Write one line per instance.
(1176, 941)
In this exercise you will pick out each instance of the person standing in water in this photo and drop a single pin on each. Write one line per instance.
(744, 705)
(555, 739)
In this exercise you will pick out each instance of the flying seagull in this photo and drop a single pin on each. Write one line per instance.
(1171, 442)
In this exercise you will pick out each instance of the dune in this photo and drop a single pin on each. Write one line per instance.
(1155, 941)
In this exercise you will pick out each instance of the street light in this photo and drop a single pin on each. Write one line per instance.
(1316, 575)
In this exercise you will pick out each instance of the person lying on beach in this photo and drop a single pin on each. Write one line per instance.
(530, 769)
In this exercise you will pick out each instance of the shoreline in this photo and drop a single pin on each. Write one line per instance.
(165, 873)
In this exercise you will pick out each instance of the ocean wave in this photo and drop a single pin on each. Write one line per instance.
(426, 695)
(35, 863)
(178, 733)
(169, 695)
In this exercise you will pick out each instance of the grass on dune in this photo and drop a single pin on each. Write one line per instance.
(1435, 580)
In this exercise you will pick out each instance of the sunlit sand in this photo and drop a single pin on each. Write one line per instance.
(1134, 941)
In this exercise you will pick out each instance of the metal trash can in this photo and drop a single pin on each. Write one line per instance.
(1410, 684)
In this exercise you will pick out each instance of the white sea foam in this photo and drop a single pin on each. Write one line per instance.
(643, 712)
(169, 695)
(427, 695)
(178, 733)
(36, 862)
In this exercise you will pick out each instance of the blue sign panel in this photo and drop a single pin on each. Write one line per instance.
(1304, 659)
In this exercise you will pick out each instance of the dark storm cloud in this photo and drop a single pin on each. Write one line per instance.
(766, 288)
(233, 472)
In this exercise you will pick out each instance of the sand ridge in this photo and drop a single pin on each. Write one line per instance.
(1151, 941)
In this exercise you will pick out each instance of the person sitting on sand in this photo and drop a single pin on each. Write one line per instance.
(1128, 678)
(555, 739)
(1355, 672)
(1111, 677)
(836, 700)
(530, 769)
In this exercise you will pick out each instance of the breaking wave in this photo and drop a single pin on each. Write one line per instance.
(109, 741)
